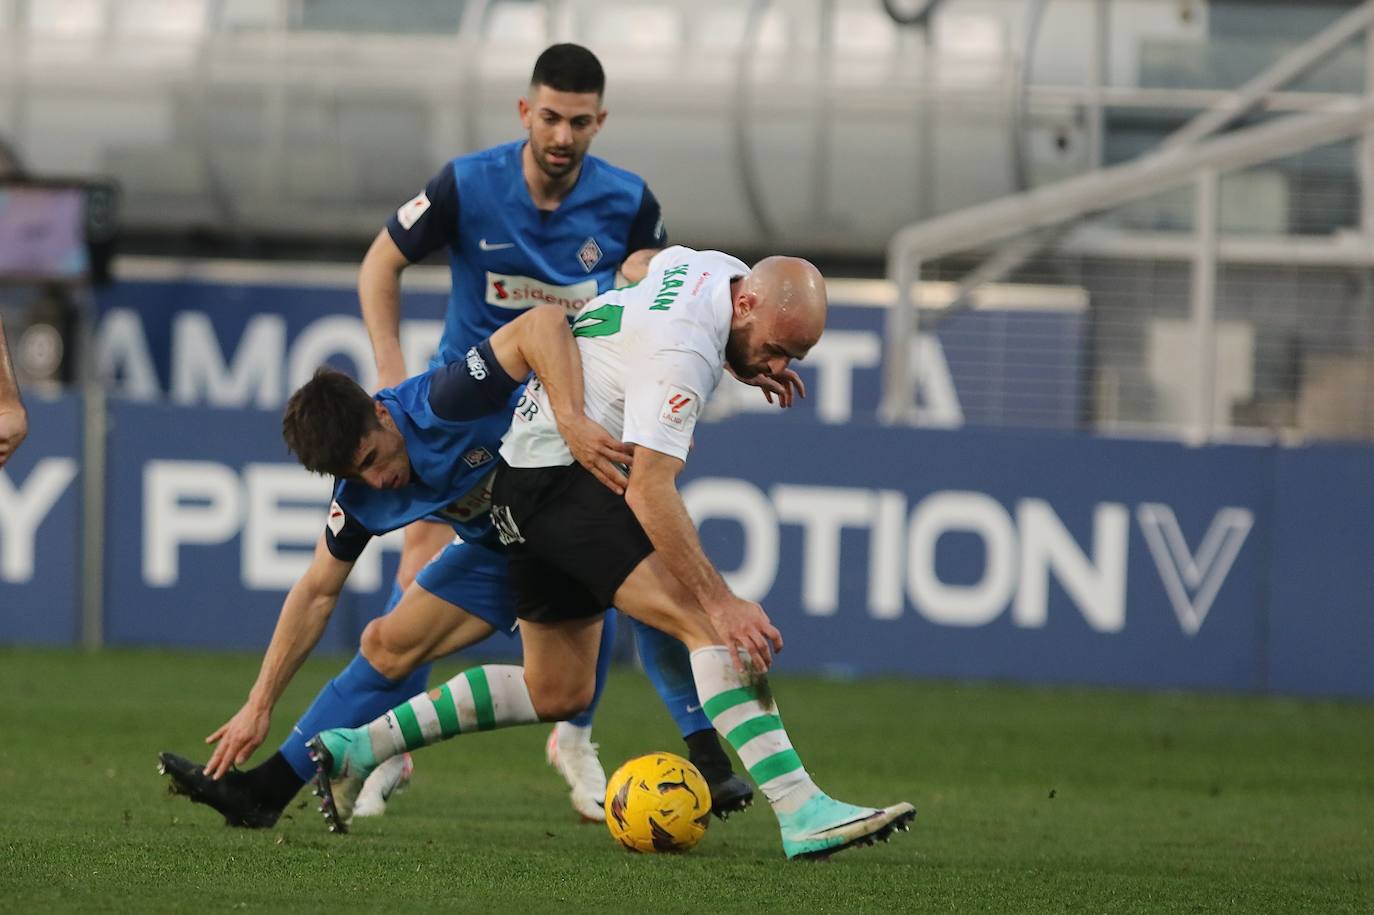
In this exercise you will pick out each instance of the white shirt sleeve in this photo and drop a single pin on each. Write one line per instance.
(664, 395)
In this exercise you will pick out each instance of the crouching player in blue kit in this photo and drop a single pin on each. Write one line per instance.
(425, 448)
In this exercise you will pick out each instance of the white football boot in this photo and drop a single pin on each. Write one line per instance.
(578, 763)
(387, 779)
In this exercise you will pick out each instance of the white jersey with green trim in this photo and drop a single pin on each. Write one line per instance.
(652, 354)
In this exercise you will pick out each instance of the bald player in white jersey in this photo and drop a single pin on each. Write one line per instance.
(652, 354)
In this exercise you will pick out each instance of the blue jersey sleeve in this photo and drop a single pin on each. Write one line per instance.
(429, 220)
(647, 231)
(478, 386)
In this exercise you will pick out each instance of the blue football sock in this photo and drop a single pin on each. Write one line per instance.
(669, 667)
(393, 598)
(603, 667)
(357, 695)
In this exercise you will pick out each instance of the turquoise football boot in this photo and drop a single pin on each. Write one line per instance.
(824, 826)
(343, 761)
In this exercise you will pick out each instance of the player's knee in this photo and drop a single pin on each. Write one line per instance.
(561, 708)
(560, 701)
(387, 655)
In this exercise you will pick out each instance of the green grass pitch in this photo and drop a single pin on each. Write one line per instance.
(1030, 800)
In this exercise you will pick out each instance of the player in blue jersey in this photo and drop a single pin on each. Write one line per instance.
(537, 220)
(424, 448)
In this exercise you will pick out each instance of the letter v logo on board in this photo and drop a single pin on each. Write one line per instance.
(1193, 580)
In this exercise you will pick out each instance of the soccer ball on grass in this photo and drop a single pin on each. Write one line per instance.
(658, 802)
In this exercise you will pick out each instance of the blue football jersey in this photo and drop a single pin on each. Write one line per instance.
(506, 255)
(451, 468)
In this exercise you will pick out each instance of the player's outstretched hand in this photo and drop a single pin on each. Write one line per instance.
(786, 386)
(747, 633)
(237, 738)
(596, 450)
(14, 428)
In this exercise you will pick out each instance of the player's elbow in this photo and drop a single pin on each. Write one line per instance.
(539, 323)
(545, 318)
(636, 496)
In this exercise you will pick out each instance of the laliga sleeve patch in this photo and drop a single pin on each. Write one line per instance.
(412, 210)
(336, 518)
(680, 406)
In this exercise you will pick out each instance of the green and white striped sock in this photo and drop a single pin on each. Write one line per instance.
(752, 726)
(478, 699)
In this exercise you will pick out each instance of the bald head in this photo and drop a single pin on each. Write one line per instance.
(779, 315)
(792, 286)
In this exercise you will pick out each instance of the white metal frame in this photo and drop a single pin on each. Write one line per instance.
(1034, 218)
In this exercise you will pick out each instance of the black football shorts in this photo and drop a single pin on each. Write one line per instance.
(571, 542)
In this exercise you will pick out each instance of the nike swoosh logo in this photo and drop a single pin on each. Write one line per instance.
(488, 246)
(693, 708)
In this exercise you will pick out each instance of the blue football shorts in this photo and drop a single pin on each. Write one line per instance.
(474, 578)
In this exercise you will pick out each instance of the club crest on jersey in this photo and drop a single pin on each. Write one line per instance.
(477, 457)
(412, 210)
(589, 254)
(679, 407)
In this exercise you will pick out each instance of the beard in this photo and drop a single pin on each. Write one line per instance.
(735, 355)
(553, 170)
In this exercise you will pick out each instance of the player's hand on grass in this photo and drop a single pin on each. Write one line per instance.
(747, 633)
(237, 738)
(14, 428)
(595, 449)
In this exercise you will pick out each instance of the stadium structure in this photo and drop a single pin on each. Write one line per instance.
(1093, 415)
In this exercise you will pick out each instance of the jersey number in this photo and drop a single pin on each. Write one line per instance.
(599, 322)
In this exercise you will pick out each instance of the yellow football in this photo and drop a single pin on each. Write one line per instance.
(658, 802)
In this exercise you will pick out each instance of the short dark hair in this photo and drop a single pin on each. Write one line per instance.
(325, 422)
(569, 68)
